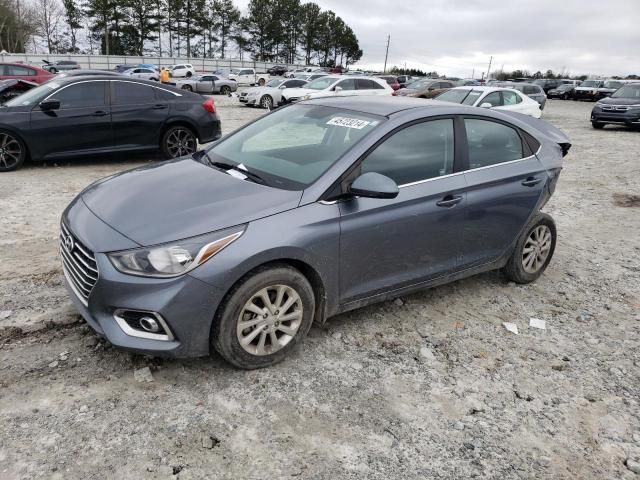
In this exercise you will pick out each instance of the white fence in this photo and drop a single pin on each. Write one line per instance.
(108, 62)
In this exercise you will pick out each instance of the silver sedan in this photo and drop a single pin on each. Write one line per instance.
(207, 84)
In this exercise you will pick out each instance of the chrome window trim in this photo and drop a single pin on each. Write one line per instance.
(122, 323)
(110, 80)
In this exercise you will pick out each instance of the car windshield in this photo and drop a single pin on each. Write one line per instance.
(454, 95)
(540, 82)
(274, 83)
(613, 84)
(627, 91)
(291, 148)
(590, 83)
(32, 96)
(321, 83)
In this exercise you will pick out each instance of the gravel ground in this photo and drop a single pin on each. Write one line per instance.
(427, 386)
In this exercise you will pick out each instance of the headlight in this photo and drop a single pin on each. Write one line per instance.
(176, 258)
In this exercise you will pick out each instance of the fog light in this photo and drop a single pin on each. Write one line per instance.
(143, 324)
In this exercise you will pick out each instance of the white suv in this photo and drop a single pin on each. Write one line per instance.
(182, 70)
(338, 86)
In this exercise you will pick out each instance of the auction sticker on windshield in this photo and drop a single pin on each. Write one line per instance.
(348, 122)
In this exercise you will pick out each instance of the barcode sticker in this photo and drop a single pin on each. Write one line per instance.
(348, 122)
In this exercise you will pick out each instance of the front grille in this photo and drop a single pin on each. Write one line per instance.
(615, 108)
(79, 264)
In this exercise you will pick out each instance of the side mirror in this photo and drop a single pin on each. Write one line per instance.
(486, 105)
(337, 89)
(374, 185)
(50, 104)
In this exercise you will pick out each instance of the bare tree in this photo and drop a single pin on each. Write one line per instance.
(50, 13)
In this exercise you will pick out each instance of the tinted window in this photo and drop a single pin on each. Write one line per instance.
(87, 94)
(295, 83)
(128, 93)
(349, 84)
(20, 71)
(446, 85)
(418, 152)
(510, 98)
(164, 95)
(531, 90)
(364, 84)
(493, 99)
(491, 143)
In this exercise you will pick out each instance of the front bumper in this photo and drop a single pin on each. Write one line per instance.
(249, 100)
(585, 95)
(185, 304)
(630, 118)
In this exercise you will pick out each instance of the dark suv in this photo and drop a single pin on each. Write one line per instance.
(622, 108)
(547, 83)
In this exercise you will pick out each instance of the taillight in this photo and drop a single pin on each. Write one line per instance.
(209, 106)
(394, 94)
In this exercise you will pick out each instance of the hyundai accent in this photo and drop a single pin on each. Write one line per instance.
(315, 209)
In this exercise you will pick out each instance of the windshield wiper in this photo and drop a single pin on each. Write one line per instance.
(230, 166)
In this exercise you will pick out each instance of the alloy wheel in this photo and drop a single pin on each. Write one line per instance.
(269, 320)
(266, 102)
(10, 151)
(181, 142)
(224, 90)
(536, 249)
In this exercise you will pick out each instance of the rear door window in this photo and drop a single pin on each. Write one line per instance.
(491, 143)
(349, 84)
(511, 98)
(130, 93)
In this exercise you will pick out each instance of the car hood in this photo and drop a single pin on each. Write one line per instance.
(619, 101)
(180, 199)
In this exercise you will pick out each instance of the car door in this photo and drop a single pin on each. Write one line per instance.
(82, 124)
(207, 84)
(347, 88)
(505, 184)
(137, 116)
(387, 244)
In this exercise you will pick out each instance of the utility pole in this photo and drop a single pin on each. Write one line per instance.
(386, 56)
(473, 74)
(489, 69)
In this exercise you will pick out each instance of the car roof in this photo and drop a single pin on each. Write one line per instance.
(94, 78)
(387, 105)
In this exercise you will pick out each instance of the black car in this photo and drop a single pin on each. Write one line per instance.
(547, 83)
(83, 116)
(277, 70)
(622, 108)
(564, 91)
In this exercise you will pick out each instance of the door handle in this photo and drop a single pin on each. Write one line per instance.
(531, 182)
(449, 201)
(100, 113)
(159, 107)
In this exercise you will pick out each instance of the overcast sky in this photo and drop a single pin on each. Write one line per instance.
(454, 37)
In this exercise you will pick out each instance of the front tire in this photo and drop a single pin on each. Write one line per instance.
(225, 90)
(261, 82)
(178, 141)
(189, 74)
(187, 88)
(533, 251)
(12, 151)
(597, 126)
(266, 102)
(263, 317)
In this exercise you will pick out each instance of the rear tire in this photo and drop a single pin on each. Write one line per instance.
(13, 151)
(533, 251)
(178, 141)
(189, 74)
(266, 338)
(187, 88)
(261, 82)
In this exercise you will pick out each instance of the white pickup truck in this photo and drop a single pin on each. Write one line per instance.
(248, 76)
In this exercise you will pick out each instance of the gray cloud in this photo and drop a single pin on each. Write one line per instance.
(455, 37)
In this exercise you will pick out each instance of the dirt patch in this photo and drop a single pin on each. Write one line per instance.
(429, 386)
(626, 200)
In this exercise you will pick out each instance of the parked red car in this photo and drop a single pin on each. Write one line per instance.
(392, 81)
(20, 71)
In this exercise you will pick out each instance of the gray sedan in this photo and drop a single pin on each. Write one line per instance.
(207, 84)
(315, 209)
